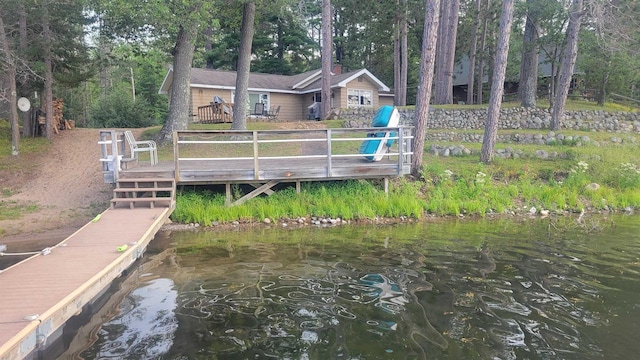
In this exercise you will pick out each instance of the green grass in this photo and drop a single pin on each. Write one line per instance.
(26, 145)
(349, 200)
(11, 210)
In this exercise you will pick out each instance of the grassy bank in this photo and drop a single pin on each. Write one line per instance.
(600, 175)
(449, 187)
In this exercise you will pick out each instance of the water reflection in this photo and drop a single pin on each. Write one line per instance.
(144, 327)
(471, 291)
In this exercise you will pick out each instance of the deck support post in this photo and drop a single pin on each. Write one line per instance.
(298, 187)
(264, 188)
(386, 185)
(227, 200)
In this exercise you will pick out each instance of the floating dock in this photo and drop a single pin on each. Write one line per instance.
(39, 294)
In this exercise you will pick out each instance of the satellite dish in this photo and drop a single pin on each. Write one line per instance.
(24, 104)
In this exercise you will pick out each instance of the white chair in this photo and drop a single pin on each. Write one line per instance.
(142, 146)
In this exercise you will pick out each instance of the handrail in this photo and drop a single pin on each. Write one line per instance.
(262, 142)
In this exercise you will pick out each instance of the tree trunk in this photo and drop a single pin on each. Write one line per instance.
(48, 71)
(472, 54)
(568, 63)
(10, 67)
(528, 85)
(400, 55)
(396, 59)
(602, 91)
(404, 55)
(180, 97)
(497, 83)
(483, 41)
(446, 55)
(244, 67)
(427, 64)
(24, 90)
(439, 89)
(452, 31)
(208, 45)
(326, 59)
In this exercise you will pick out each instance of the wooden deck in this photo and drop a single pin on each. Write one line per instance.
(38, 295)
(265, 158)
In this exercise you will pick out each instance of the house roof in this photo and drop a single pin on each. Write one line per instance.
(293, 84)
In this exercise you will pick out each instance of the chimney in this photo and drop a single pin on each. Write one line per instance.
(337, 69)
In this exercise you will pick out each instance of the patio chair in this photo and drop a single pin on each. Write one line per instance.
(142, 146)
(258, 109)
(273, 115)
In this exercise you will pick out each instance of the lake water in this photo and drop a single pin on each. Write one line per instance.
(490, 289)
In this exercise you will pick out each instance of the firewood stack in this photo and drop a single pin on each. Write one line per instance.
(58, 121)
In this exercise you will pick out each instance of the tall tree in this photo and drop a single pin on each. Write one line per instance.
(427, 64)
(48, 68)
(244, 66)
(327, 51)
(446, 55)
(473, 52)
(153, 21)
(179, 103)
(483, 39)
(400, 55)
(568, 63)
(528, 85)
(8, 58)
(22, 49)
(497, 83)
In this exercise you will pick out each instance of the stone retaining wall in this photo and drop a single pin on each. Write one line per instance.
(510, 118)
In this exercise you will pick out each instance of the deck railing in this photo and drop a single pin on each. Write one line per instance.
(215, 113)
(266, 155)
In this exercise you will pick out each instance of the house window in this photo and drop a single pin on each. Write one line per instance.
(255, 98)
(359, 98)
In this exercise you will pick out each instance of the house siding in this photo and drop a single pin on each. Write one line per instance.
(291, 106)
(385, 100)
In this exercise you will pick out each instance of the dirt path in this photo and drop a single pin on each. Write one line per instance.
(66, 185)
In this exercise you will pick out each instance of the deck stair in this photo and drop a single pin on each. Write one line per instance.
(150, 192)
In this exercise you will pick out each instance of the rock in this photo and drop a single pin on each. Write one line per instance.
(533, 210)
(266, 221)
(592, 187)
(544, 213)
(541, 154)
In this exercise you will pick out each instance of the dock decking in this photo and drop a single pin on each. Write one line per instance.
(38, 295)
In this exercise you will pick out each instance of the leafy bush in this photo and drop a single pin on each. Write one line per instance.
(119, 111)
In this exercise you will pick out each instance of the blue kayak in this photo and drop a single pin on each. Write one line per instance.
(376, 146)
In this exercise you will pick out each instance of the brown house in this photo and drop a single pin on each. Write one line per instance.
(293, 94)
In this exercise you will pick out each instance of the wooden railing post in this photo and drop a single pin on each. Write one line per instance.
(176, 156)
(329, 162)
(400, 150)
(256, 168)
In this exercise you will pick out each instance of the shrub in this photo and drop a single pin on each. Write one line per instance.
(118, 110)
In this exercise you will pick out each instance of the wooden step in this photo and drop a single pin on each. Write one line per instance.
(144, 190)
(132, 201)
